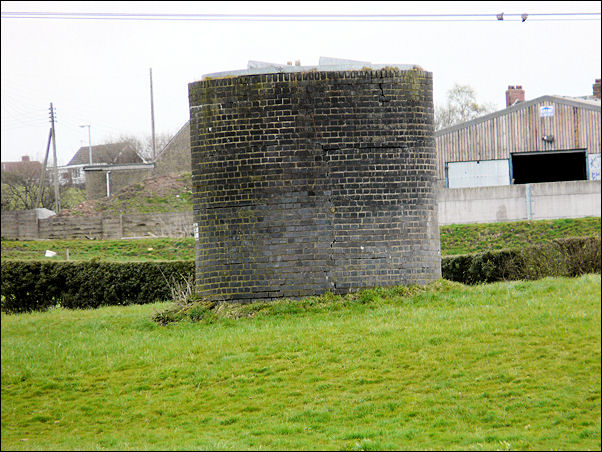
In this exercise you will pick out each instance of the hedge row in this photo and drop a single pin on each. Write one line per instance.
(36, 286)
(560, 257)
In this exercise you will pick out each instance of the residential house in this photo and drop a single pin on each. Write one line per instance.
(108, 154)
(25, 167)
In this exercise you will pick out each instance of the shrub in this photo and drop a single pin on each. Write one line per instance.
(560, 257)
(34, 286)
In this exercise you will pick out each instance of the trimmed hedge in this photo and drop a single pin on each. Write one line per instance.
(560, 257)
(36, 286)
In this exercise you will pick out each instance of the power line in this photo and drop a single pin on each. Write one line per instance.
(467, 17)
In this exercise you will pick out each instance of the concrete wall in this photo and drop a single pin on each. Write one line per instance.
(21, 224)
(175, 157)
(25, 225)
(519, 202)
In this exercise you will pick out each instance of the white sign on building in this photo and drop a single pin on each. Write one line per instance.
(546, 111)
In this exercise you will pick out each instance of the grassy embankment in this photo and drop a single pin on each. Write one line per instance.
(455, 239)
(513, 365)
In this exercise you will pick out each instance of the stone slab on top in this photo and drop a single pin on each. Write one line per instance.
(325, 64)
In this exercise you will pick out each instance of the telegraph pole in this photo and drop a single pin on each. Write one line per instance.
(152, 113)
(56, 169)
(43, 175)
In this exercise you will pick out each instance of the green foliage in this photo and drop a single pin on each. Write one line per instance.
(560, 257)
(72, 197)
(34, 285)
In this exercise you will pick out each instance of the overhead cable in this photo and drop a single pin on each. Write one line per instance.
(467, 17)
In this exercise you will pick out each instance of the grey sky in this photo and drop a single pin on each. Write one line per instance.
(97, 71)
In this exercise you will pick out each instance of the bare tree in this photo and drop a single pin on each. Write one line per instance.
(144, 145)
(20, 189)
(461, 106)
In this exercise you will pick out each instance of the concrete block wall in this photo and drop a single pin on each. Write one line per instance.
(24, 225)
(313, 181)
(20, 224)
(70, 227)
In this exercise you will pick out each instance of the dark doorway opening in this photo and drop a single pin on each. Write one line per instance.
(533, 167)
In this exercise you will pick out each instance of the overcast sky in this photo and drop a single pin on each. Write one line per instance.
(97, 71)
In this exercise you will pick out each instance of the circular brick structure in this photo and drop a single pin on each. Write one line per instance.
(310, 181)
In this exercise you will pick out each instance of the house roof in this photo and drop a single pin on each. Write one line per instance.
(106, 153)
(587, 104)
(22, 167)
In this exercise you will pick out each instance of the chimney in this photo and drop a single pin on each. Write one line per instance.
(514, 94)
(596, 87)
(25, 158)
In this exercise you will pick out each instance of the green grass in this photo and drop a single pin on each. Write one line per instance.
(159, 249)
(455, 239)
(474, 238)
(512, 365)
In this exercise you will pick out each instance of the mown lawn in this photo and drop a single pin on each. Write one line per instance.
(513, 365)
(455, 239)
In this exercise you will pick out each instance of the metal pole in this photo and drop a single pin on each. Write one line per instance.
(56, 170)
(108, 184)
(89, 142)
(152, 113)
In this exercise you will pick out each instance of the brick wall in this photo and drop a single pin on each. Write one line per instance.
(313, 181)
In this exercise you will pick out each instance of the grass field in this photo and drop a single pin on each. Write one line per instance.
(455, 239)
(473, 238)
(512, 365)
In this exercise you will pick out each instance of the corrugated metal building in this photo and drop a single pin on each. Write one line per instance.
(547, 139)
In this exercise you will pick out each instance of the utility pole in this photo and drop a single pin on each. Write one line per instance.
(56, 169)
(152, 114)
(89, 141)
(43, 175)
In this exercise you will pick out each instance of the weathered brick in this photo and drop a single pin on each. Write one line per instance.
(313, 182)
